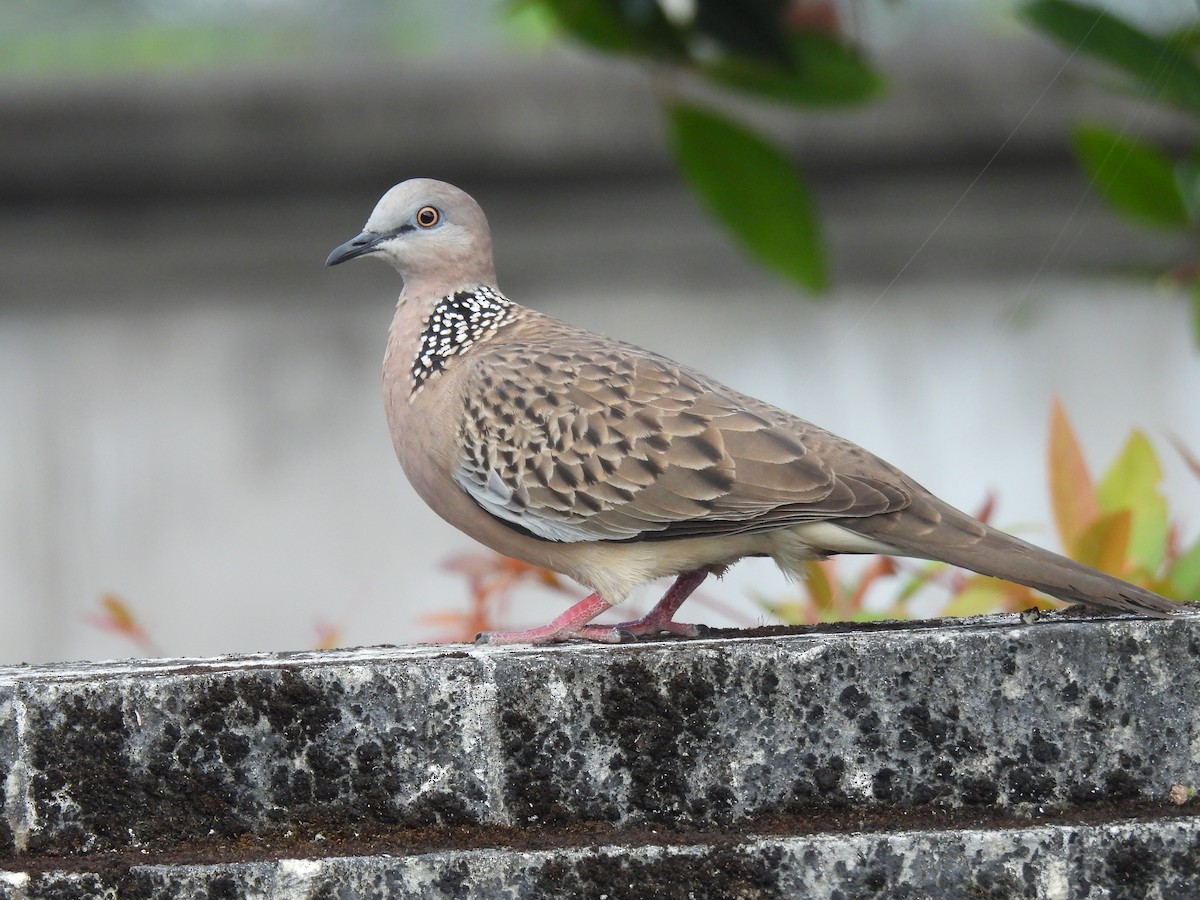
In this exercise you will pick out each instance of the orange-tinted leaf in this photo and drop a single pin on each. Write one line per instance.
(472, 563)
(1018, 598)
(118, 616)
(1008, 596)
(552, 580)
(1105, 543)
(987, 508)
(880, 567)
(1072, 492)
(328, 634)
(491, 580)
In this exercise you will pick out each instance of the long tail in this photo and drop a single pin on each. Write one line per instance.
(1004, 556)
(941, 532)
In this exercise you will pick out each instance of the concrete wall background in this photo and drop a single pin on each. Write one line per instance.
(190, 404)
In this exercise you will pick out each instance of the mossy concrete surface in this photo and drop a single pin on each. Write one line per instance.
(1052, 759)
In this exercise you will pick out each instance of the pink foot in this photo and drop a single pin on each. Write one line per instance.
(660, 619)
(563, 628)
(574, 622)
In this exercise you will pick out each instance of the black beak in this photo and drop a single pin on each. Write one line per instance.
(360, 246)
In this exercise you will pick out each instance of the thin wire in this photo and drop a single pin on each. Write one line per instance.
(1127, 126)
(837, 346)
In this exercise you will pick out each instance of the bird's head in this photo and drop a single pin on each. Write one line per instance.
(432, 233)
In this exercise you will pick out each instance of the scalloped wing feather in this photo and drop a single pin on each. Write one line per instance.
(577, 438)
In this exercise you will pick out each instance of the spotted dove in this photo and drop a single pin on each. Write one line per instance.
(617, 466)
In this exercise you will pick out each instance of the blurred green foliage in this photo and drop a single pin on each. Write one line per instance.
(752, 188)
(147, 46)
(1165, 68)
(780, 51)
(1137, 179)
(1147, 184)
(770, 50)
(51, 40)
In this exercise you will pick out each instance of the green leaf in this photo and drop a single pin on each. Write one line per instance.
(925, 574)
(1160, 65)
(1132, 477)
(1131, 483)
(752, 189)
(826, 73)
(1195, 303)
(1186, 38)
(1136, 178)
(790, 612)
(980, 596)
(866, 615)
(1185, 574)
(1187, 182)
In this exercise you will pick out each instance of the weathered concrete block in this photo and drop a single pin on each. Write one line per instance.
(985, 714)
(128, 753)
(11, 801)
(977, 714)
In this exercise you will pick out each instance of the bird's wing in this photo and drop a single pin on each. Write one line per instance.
(576, 438)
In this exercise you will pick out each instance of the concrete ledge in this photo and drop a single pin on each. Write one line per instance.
(1088, 720)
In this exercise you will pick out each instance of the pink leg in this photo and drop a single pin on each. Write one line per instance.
(574, 622)
(659, 619)
(565, 627)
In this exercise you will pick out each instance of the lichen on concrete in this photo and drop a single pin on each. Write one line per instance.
(12, 807)
(129, 759)
(1066, 712)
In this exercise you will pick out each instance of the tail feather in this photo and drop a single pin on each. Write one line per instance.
(951, 536)
(1004, 556)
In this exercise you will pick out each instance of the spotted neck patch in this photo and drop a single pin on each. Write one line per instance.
(458, 322)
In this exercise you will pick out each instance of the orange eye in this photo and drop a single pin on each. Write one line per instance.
(428, 216)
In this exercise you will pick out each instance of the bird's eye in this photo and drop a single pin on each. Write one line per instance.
(428, 216)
